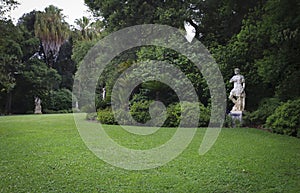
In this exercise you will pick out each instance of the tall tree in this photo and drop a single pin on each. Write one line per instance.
(10, 60)
(83, 24)
(119, 14)
(52, 30)
(6, 6)
(267, 50)
(88, 30)
(31, 44)
(214, 21)
(35, 79)
(279, 63)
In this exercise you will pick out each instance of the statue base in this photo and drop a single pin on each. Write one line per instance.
(237, 117)
(38, 110)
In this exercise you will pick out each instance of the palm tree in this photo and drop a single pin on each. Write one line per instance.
(52, 31)
(83, 23)
(88, 30)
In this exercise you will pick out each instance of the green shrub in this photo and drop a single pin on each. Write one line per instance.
(149, 112)
(265, 109)
(122, 118)
(204, 116)
(140, 111)
(286, 119)
(47, 111)
(174, 114)
(106, 116)
(228, 122)
(102, 104)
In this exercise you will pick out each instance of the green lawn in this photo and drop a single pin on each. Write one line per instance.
(44, 153)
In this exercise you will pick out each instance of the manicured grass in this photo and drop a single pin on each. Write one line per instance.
(44, 153)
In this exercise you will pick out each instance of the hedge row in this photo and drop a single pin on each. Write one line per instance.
(281, 118)
(173, 114)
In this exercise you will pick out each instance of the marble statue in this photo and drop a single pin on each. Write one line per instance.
(38, 106)
(76, 105)
(103, 93)
(237, 94)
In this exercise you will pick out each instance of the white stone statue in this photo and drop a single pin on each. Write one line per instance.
(76, 105)
(103, 93)
(237, 94)
(38, 106)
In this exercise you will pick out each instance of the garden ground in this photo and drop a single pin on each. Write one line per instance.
(44, 153)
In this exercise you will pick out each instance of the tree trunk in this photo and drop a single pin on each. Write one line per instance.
(196, 27)
(157, 95)
(8, 103)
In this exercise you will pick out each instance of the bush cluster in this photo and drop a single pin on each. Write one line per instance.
(276, 116)
(140, 113)
(106, 116)
(266, 108)
(174, 113)
(282, 118)
(286, 119)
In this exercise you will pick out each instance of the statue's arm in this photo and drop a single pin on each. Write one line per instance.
(243, 84)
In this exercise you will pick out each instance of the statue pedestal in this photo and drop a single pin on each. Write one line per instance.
(237, 117)
(38, 109)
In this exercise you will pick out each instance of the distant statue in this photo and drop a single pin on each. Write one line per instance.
(237, 94)
(76, 105)
(38, 106)
(103, 93)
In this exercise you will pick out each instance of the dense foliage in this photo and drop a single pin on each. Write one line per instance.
(36, 62)
(41, 53)
(174, 114)
(286, 119)
(140, 113)
(259, 37)
(265, 109)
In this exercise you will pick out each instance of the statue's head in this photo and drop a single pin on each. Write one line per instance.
(236, 70)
